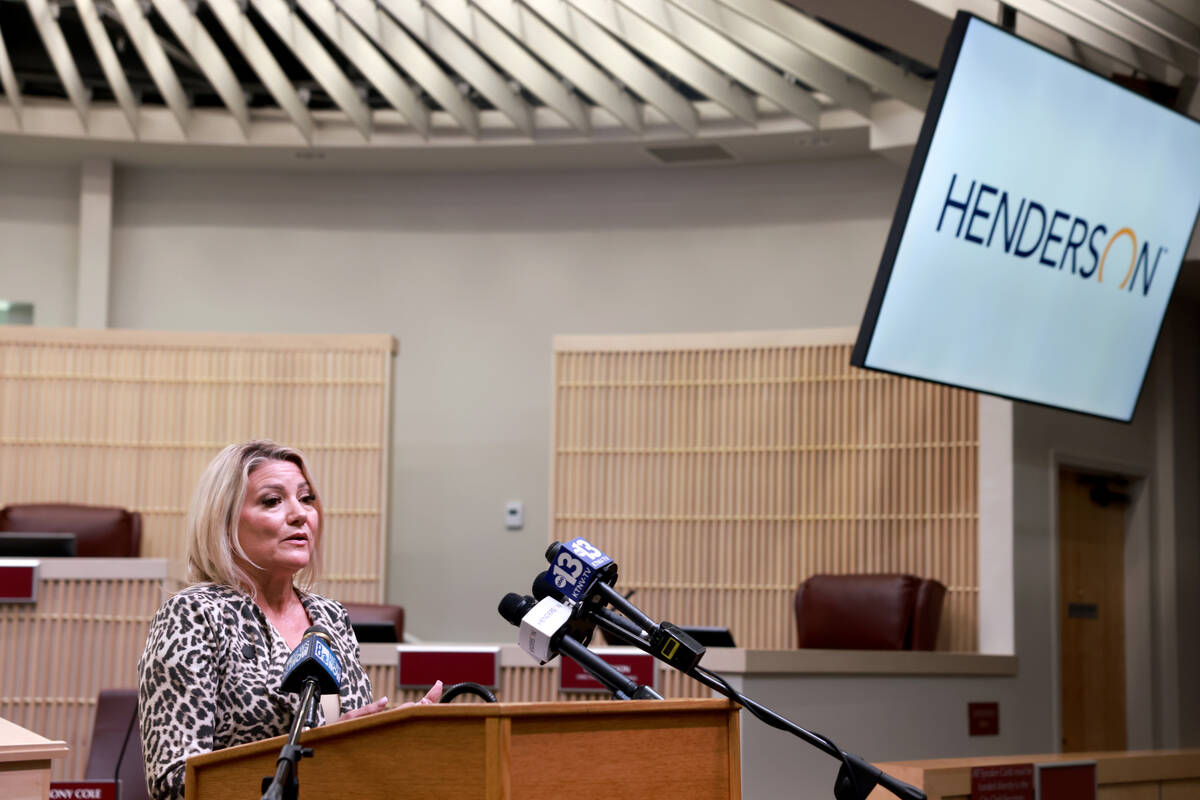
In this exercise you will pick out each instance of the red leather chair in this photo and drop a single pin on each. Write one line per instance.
(100, 531)
(376, 622)
(116, 750)
(868, 612)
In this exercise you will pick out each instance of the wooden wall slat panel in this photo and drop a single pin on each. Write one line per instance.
(131, 418)
(720, 472)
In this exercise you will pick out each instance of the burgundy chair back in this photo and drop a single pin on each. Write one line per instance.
(868, 612)
(100, 531)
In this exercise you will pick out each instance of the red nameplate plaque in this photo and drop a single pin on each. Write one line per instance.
(1069, 780)
(83, 790)
(639, 667)
(1002, 782)
(18, 580)
(420, 665)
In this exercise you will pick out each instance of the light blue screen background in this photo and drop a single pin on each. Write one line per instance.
(1027, 122)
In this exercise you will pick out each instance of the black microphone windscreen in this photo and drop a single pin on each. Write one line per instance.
(552, 550)
(513, 607)
(544, 587)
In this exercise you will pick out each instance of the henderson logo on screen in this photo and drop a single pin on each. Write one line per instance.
(1028, 229)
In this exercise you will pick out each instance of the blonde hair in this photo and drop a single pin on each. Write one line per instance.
(212, 520)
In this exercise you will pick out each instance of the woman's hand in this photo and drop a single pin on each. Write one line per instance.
(362, 711)
(432, 697)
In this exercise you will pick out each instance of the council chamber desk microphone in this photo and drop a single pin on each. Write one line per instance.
(311, 669)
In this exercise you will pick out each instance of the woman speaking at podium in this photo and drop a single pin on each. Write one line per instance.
(210, 675)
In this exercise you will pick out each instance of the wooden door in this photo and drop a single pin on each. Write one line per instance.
(1091, 574)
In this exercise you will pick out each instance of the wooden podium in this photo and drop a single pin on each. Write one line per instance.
(501, 751)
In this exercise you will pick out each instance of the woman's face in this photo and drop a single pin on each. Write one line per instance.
(279, 521)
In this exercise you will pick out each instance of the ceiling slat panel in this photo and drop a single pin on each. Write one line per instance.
(1162, 20)
(1135, 33)
(208, 57)
(259, 56)
(439, 36)
(842, 88)
(155, 58)
(1187, 9)
(324, 70)
(539, 37)
(8, 79)
(606, 49)
(400, 45)
(644, 37)
(107, 56)
(359, 50)
(826, 44)
(60, 55)
(707, 42)
(492, 40)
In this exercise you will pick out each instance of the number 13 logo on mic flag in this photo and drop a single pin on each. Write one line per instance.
(575, 566)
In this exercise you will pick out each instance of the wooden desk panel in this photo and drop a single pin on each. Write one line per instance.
(85, 633)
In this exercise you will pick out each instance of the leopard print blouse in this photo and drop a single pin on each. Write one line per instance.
(210, 674)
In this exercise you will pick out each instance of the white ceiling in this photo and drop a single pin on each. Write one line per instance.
(495, 84)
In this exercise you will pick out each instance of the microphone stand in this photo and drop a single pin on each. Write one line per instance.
(622, 688)
(856, 777)
(286, 783)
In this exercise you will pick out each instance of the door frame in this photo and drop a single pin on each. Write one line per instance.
(1142, 714)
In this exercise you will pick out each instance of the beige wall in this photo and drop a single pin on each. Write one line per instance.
(475, 273)
(39, 219)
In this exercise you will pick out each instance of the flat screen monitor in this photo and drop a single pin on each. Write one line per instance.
(710, 635)
(36, 544)
(1040, 230)
(367, 632)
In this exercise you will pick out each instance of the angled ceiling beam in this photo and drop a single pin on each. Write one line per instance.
(905, 26)
(608, 50)
(711, 42)
(843, 89)
(241, 31)
(310, 52)
(1186, 9)
(550, 45)
(46, 22)
(146, 41)
(493, 41)
(8, 79)
(208, 57)
(406, 51)
(828, 45)
(366, 58)
(1088, 33)
(641, 35)
(107, 56)
(428, 26)
(1162, 20)
(1134, 33)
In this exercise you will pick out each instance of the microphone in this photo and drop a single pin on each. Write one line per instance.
(313, 659)
(544, 626)
(312, 668)
(584, 621)
(667, 642)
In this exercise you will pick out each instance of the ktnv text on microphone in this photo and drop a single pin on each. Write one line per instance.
(311, 669)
